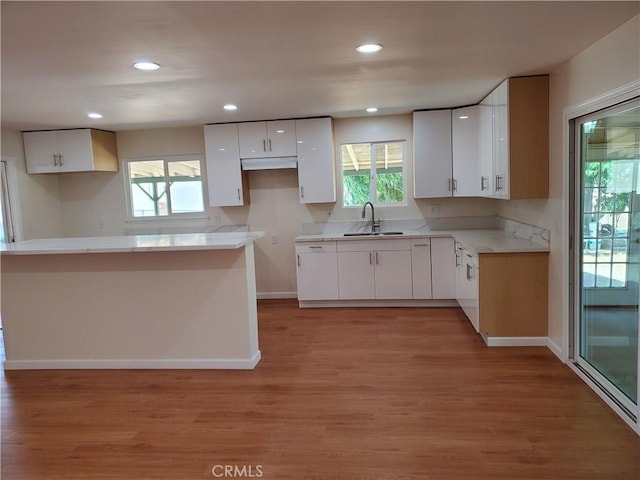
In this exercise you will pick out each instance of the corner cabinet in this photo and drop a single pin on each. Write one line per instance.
(432, 156)
(78, 150)
(316, 166)
(464, 140)
(267, 139)
(514, 139)
(227, 183)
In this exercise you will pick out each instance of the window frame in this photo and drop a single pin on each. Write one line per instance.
(373, 175)
(166, 159)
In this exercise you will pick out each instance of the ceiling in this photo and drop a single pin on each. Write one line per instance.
(61, 60)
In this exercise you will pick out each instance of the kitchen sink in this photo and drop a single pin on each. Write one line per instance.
(370, 234)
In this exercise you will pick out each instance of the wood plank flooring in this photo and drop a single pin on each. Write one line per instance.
(339, 394)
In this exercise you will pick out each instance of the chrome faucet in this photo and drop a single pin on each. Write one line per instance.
(375, 224)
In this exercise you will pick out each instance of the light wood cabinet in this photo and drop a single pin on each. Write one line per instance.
(317, 271)
(227, 183)
(374, 269)
(267, 139)
(432, 155)
(514, 139)
(443, 268)
(78, 150)
(316, 165)
(513, 294)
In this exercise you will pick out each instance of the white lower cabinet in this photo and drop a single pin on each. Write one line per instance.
(374, 269)
(467, 284)
(421, 268)
(443, 270)
(317, 271)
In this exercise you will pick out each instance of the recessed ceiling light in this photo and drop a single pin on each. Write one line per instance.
(230, 107)
(279, 131)
(463, 117)
(372, 110)
(94, 115)
(369, 48)
(147, 66)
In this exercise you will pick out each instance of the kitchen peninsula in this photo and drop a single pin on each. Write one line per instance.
(142, 301)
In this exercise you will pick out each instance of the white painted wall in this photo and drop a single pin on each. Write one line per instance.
(39, 195)
(610, 63)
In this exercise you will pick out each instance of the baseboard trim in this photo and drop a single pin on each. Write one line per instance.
(515, 341)
(557, 351)
(136, 364)
(275, 295)
(375, 303)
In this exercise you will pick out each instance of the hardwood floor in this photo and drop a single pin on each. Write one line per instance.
(339, 394)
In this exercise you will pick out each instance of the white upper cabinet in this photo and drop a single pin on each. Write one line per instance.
(267, 139)
(485, 146)
(316, 165)
(79, 150)
(514, 139)
(432, 154)
(225, 178)
(466, 164)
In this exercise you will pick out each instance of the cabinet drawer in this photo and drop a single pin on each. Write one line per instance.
(316, 247)
(420, 242)
(374, 245)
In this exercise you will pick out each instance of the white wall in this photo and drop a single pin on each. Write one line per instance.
(610, 63)
(40, 205)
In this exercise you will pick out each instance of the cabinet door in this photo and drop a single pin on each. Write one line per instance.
(281, 138)
(224, 176)
(39, 151)
(316, 165)
(393, 275)
(501, 138)
(443, 268)
(460, 275)
(470, 302)
(356, 275)
(74, 148)
(317, 276)
(253, 139)
(432, 160)
(466, 164)
(421, 269)
(485, 146)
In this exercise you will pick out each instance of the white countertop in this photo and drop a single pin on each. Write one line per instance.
(132, 243)
(480, 240)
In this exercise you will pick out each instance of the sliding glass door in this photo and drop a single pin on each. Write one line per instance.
(606, 255)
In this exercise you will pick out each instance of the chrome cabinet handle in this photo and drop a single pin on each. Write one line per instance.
(370, 258)
(301, 192)
(315, 246)
(449, 187)
(377, 258)
(468, 272)
(264, 145)
(298, 260)
(483, 183)
(55, 159)
(60, 157)
(269, 144)
(455, 185)
(458, 262)
(239, 194)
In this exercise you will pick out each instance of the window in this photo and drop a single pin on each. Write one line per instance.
(165, 187)
(373, 172)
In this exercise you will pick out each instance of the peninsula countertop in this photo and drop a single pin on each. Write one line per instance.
(132, 243)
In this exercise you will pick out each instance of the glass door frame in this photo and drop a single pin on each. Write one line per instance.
(623, 405)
